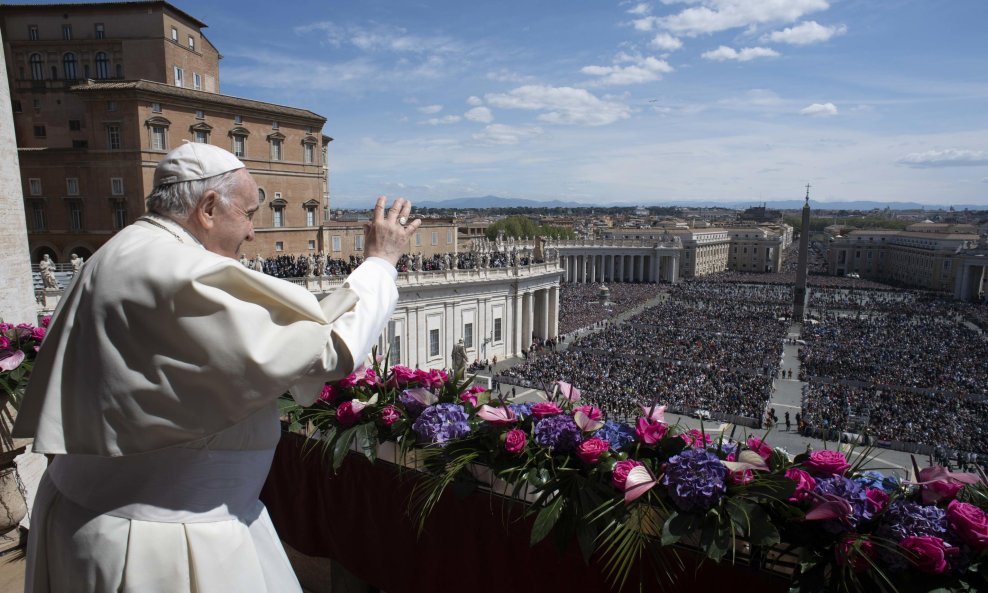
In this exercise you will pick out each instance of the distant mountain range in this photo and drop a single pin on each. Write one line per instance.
(499, 202)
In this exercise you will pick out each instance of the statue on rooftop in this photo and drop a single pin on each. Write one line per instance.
(77, 263)
(47, 269)
(459, 356)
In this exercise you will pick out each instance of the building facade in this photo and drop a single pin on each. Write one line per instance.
(101, 92)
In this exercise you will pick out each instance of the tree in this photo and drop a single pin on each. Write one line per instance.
(523, 226)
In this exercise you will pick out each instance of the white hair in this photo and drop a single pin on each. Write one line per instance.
(178, 199)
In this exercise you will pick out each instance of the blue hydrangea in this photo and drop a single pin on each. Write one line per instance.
(695, 479)
(851, 491)
(521, 410)
(441, 423)
(903, 519)
(617, 434)
(558, 433)
(727, 447)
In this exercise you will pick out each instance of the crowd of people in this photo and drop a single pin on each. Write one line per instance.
(579, 304)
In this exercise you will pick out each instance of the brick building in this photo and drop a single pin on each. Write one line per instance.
(100, 92)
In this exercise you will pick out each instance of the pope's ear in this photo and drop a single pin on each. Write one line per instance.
(207, 209)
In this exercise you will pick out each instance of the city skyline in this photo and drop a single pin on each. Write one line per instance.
(631, 102)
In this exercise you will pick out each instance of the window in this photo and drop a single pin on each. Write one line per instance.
(435, 238)
(277, 195)
(238, 119)
(468, 335)
(279, 245)
(449, 236)
(310, 216)
(192, 43)
(102, 66)
(116, 186)
(36, 103)
(34, 186)
(433, 342)
(312, 243)
(274, 125)
(155, 107)
(68, 66)
(497, 329)
(418, 239)
(279, 216)
(100, 32)
(37, 67)
(178, 75)
(309, 151)
(75, 125)
(261, 196)
(201, 136)
(275, 149)
(174, 34)
(196, 81)
(239, 146)
(67, 32)
(75, 216)
(72, 186)
(395, 354)
(40, 220)
(111, 105)
(337, 244)
(158, 138)
(200, 114)
(358, 242)
(32, 33)
(113, 137)
(119, 214)
(17, 105)
(40, 132)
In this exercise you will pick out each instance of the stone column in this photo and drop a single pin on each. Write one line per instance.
(528, 315)
(641, 268)
(518, 327)
(593, 268)
(618, 268)
(545, 304)
(554, 312)
(674, 270)
(17, 304)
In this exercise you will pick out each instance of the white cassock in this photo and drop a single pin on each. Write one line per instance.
(156, 391)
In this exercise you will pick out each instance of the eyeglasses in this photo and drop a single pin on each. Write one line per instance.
(248, 215)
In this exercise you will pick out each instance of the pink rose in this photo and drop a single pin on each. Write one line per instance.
(329, 393)
(346, 415)
(543, 409)
(432, 377)
(348, 381)
(621, 471)
(46, 321)
(593, 413)
(389, 415)
(514, 441)
(694, 437)
(4, 342)
(466, 396)
(38, 333)
(804, 484)
(368, 377)
(740, 477)
(855, 553)
(758, 446)
(5, 327)
(928, 553)
(401, 376)
(590, 450)
(477, 389)
(650, 431)
(969, 523)
(827, 463)
(877, 499)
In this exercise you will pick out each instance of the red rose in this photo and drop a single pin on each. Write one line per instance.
(804, 484)
(969, 523)
(590, 450)
(469, 397)
(650, 431)
(928, 553)
(514, 441)
(329, 393)
(345, 414)
(621, 471)
(389, 415)
(827, 463)
(544, 409)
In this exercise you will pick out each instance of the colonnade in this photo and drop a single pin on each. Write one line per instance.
(620, 267)
(536, 312)
(971, 277)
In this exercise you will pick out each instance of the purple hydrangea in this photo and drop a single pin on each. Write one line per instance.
(413, 406)
(695, 479)
(617, 434)
(558, 433)
(726, 447)
(851, 491)
(441, 423)
(903, 519)
(521, 410)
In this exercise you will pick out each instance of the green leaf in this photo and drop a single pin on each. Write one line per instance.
(678, 526)
(716, 539)
(762, 531)
(343, 444)
(547, 519)
(586, 537)
(366, 438)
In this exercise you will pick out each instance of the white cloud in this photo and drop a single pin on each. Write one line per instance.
(640, 69)
(712, 16)
(724, 53)
(754, 98)
(441, 121)
(504, 75)
(805, 33)
(647, 23)
(948, 157)
(562, 105)
(481, 114)
(640, 8)
(502, 134)
(380, 38)
(666, 42)
(819, 110)
(430, 109)
(475, 101)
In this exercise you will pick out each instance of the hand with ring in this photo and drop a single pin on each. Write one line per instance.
(388, 236)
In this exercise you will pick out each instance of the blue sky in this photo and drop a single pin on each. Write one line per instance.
(608, 101)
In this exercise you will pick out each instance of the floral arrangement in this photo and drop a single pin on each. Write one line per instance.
(19, 345)
(623, 492)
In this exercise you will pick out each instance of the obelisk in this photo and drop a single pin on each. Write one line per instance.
(799, 295)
